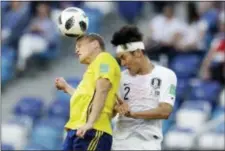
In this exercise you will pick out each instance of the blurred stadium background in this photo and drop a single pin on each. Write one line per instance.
(179, 35)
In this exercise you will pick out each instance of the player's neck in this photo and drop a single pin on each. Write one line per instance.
(146, 66)
(93, 56)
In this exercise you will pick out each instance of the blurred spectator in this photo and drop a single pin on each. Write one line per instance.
(165, 27)
(130, 10)
(104, 7)
(64, 4)
(159, 5)
(213, 65)
(12, 18)
(195, 31)
(166, 31)
(208, 13)
(39, 35)
(96, 11)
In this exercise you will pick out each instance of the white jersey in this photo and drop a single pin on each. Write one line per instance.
(145, 92)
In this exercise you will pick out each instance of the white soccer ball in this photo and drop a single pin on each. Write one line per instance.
(73, 22)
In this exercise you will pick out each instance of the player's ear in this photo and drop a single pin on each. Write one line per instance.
(94, 44)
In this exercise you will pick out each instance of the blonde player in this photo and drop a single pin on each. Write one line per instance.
(92, 102)
(147, 93)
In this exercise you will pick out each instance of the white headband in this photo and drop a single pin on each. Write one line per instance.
(132, 46)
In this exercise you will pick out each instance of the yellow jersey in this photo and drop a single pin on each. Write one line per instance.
(104, 66)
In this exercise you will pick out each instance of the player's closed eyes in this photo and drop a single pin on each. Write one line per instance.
(121, 58)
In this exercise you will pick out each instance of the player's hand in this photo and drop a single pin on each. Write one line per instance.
(61, 84)
(116, 108)
(119, 102)
(122, 107)
(82, 130)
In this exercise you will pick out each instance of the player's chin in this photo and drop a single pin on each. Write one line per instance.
(82, 60)
(132, 72)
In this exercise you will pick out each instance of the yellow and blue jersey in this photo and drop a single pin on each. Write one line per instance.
(104, 66)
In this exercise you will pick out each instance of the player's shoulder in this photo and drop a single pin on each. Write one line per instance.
(158, 70)
(106, 57)
(164, 71)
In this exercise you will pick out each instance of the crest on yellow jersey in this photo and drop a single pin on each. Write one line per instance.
(104, 68)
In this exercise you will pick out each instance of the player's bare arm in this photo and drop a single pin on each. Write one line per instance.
(102, 88)
(70, 90)
(117, 106)
(121, 107)
(61, 84)
(161, 112)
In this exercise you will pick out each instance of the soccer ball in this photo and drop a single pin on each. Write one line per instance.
(73, 22)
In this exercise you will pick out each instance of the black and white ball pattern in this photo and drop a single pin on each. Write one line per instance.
(73, 22)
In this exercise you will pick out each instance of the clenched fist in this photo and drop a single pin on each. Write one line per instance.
(61, 84)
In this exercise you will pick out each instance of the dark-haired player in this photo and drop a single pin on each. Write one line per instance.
(147, 93)
(92, 103)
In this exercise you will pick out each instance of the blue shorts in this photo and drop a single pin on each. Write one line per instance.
(93, 140)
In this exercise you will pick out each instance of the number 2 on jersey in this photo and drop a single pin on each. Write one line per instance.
(127, 90)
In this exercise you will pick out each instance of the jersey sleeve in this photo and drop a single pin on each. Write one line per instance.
(105, 68)
(169, 89)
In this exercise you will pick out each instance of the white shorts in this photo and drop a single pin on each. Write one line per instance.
(136, 142)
